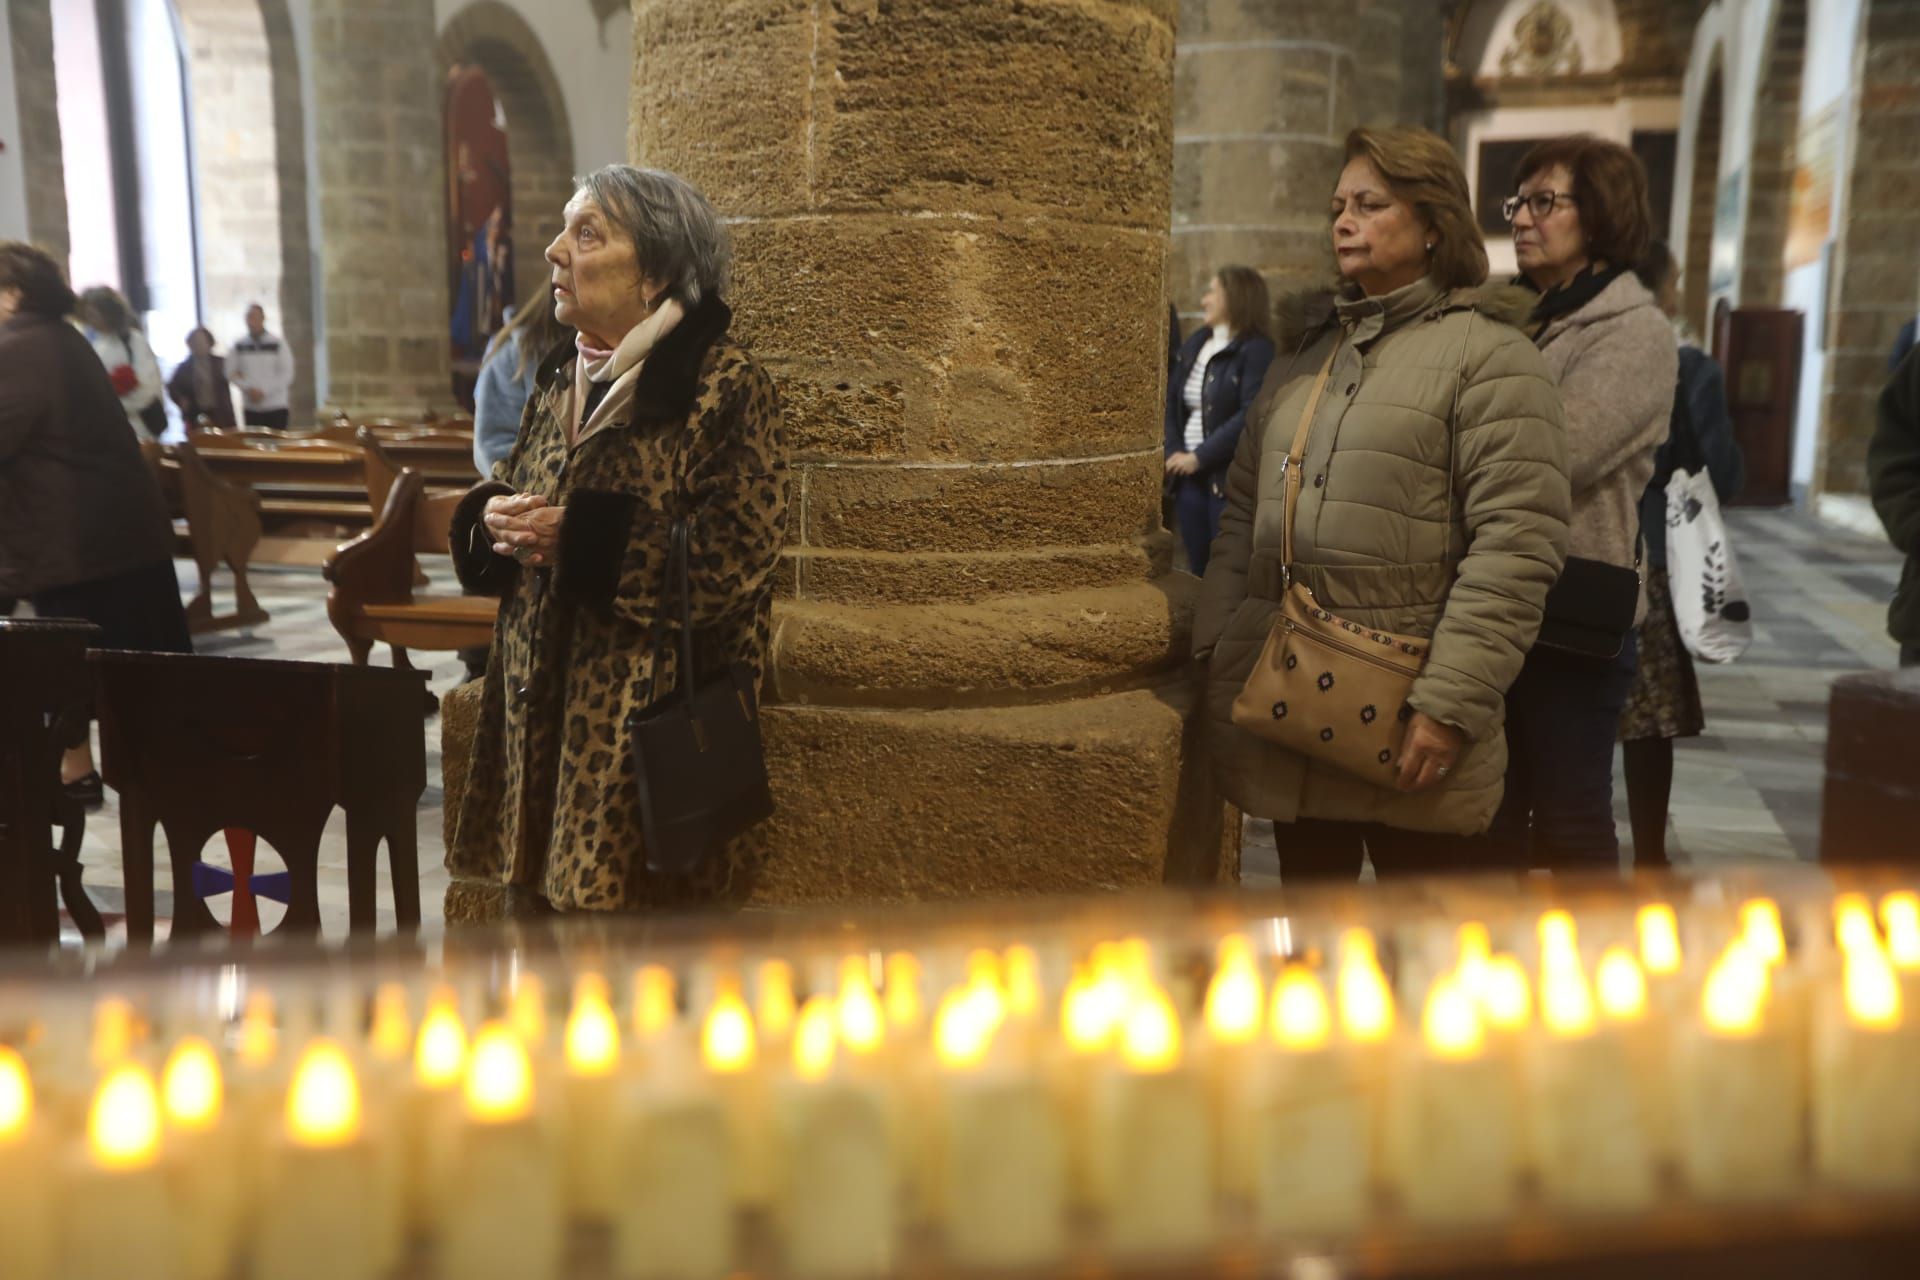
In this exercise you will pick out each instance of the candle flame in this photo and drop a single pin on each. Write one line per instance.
(113, 1032)
(1872, 989)
(1558, 936)
(653, 1000)
(903, 991)
(391, 1037)
(190, 1086)
(1091, 1009)
(440, 1053)
(1366, 1003)
(123, 1127)
(983, 966)
(16, 1095)
(1900, 912)
(1475, 946)
(259, 1041)
(323, 1102)
(593, 1033)
(1020, 972)
(1622, 986)
(1506, 996)
(1234, 997)
(527, 1009)
(1760, 928)
(1150, 1034)
(1451, 1023)
(964, 1026)
(1659, 932)
(1566, 1001)
(1300, 1016)
(815, 1038)
(1735, 996)
(727, 1042)
(775, 1004)
(1853, 924)
(499, 1075)
(863, 1024)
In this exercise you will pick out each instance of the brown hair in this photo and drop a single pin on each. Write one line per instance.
(1248, 306)
(539, 331)
(102, 307)
(1609, 190)
(41, 282)
(1422, 170)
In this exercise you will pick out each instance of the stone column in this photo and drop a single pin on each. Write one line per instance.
(950, 226)
(30, 23)
(377, 109)
(1879, 280)
(1264, 94)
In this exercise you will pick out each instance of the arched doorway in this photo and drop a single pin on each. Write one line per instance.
(1776, 124)
(1703, 199)
(489, 41)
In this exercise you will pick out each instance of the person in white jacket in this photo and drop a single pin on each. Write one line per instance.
(108, 322)
(261, 366)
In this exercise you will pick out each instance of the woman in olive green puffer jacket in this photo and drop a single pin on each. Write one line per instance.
(1434, 501)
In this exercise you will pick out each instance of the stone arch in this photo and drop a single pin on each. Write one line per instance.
(1702, 196)
(1776, 125)
(249, 149)
(498, 40)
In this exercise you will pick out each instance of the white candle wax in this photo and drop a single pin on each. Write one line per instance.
(203, 1175)
(1313, 1129)
(1589, 1123)
(316, 1217)
(1153, 1154)
(1004, 1172)
(1739, 1105)
(839, 1213)
(1453, 1126)
(26, 1201)
(1866, 1106)
(116, 1219)
(503, 1217)
(674, 1219)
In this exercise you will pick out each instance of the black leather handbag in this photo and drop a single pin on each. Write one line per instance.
(1590, 609)
(698, 759)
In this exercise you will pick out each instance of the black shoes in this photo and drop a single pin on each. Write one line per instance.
(86, 790)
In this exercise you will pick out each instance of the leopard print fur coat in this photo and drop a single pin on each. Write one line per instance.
(551, 803)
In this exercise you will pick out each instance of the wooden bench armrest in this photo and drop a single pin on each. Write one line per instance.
(377, 566)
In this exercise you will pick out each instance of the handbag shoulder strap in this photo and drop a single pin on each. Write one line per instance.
(1296, 455)
(669, 610)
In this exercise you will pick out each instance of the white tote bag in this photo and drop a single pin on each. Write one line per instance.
(1709, 601)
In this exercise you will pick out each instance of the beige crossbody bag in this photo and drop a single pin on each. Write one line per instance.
(1330, 689)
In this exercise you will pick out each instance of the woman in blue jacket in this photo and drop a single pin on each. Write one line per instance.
(1214, 381)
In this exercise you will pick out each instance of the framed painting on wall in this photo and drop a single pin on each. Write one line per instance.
(1497, 174)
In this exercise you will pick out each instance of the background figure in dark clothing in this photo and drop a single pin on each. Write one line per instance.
(1893, 478)
(1217, 375)
(199, 386)
(1664, 703)
(83, 530)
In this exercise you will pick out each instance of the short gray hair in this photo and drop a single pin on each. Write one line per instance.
(676, 234)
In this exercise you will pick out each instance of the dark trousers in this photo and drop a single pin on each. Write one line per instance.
(1315, 849)
(1196, 513)
(274, 419)
(1563, 715)
(140, 609)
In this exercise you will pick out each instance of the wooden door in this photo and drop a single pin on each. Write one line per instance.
(1762, 362)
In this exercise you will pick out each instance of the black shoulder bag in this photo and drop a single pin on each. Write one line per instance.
(1590, 609)
(698, 759)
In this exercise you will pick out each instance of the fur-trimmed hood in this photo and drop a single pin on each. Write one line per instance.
(1301, 315)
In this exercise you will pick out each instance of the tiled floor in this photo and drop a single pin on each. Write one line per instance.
(1749, 788)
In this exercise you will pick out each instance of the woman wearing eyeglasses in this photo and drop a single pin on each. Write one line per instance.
(1580, 224)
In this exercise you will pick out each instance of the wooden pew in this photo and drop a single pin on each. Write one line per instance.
(312, 492)
(44, 688)
(222, 524)
(373, 601)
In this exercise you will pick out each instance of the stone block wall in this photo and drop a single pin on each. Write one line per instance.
(31, 24)
(1776, 129)
(382, 204)
(1264, 94)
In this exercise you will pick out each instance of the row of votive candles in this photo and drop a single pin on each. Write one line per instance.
(1289, 1099)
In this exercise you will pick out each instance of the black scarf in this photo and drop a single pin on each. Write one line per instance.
(1565, 299)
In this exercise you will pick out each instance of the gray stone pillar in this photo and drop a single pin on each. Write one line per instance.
(31, 24)
(383, 214)
(1263, 96)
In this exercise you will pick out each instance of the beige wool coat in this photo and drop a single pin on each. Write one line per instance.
(1434, 502)
(552, 803)
(1617, 362)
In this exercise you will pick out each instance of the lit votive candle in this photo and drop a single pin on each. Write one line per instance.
(317, 1219)
(1588, 1118)
(675, 1216)
(1738, 1093)
(1232, 1015)
(1454, 1133)
(117, 1217)
(1900, 912)
(26, 1192)
(1002, 1146)
(838, 1209)
(1313, 1127)
(730, 1050)
(503, 1215)
(430, 1119)
(203, 1165)
(1866, 1106)
(1153, 1137)
(592, 1098)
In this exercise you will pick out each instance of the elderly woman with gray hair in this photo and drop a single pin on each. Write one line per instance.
(651, 413)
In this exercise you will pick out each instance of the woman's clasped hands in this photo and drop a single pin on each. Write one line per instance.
(525, 526)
